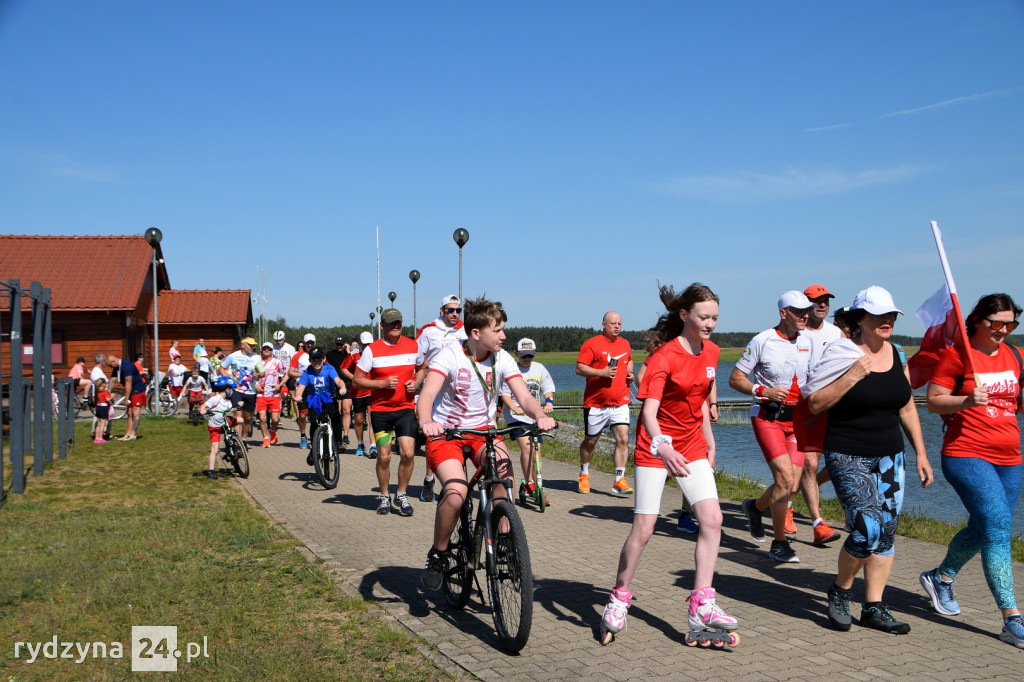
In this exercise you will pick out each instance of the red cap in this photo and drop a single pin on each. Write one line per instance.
(816, 291)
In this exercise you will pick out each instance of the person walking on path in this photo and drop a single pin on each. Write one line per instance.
(777, 358)
(606, 362)
(542, 388)
(670, 441)
(981, 457)
(866, 389)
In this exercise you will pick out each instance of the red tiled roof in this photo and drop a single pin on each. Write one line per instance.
(82, 273)
(208, 306)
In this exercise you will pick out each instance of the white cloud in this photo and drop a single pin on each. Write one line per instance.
(745, 186)
(951, 102)
(837, 126)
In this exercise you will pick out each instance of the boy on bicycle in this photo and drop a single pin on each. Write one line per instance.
(218, 406)
(317, 384)
(461, 390)
(196, 387)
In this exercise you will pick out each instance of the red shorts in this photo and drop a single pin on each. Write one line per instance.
(214, 433)
(175, 390)
(808, 428)
(440, 450)
(776, 440)
(195, 396)
(137, 400)
(264, 404)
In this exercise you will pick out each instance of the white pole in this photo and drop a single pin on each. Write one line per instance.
(378, 277)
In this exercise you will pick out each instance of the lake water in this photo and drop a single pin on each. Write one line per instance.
(739, 455)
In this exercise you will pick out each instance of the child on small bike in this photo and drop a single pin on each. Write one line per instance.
(218, 406)
(317, 386)
(196, 387)
(461, 390)
(103, 400)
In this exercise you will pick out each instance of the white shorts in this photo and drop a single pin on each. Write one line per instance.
(650, 483)
(597, 418)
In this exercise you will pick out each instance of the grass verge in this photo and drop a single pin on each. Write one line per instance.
(126, 534)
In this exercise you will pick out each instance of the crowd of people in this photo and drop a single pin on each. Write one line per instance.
(819, 391)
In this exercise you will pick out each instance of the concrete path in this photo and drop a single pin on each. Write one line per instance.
(574, 548)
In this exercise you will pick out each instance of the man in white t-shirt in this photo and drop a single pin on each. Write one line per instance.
(461, 390)
(777, 358)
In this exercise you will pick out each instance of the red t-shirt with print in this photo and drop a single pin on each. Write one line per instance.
(596, 352)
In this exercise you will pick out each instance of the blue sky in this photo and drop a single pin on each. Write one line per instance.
(590, 148)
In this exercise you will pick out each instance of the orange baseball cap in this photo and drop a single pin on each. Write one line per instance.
(816, 290)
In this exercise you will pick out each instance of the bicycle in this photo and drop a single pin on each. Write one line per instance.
(168, 403)
(538, 494)
(235, 453)
(325, 454)
(194, 415)
(286, 405)
(507, 556)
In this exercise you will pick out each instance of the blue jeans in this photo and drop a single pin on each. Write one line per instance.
(989, 493)
(871, 492)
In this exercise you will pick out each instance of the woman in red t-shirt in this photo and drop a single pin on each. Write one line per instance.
(981, 457)
(669, 440)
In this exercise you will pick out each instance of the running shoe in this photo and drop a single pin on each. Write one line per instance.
(211, 474)
(839, 608)
(266, 442)
(1013, 631)
(686, 524)
(790, 524)
(345, 441)
(128, 438)
(427, 491)
(383, 505)
(879, 618)
(433, 571)
(402, 502)
(754, 520)
(781, 551)
(99, 440)
(824, 533)
(583, 484)
(536, 498)
(309, 459)
(940, 592)
(273, 437)
(621, 487)
(303, 442)
(373, 452)
(360, 452)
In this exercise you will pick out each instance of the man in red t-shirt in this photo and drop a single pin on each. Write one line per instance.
(392, 368)
(606, 361)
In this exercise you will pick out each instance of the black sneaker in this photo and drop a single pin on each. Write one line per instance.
(839, 608)
(427, 493)
(402, 502)
(383, 504)
(781, 551)
(309, 458)
(345, 441)
(879, 618)
(433, 571)
(211, 474)
(754, 521)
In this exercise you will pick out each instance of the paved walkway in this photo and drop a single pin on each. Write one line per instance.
(574, 549)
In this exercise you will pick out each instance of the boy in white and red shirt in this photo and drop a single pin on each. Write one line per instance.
(268, 393)
(461, 390)
(298, 365)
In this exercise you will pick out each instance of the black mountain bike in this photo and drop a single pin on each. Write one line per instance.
(325, 453)
(235, 452)
(499, 531)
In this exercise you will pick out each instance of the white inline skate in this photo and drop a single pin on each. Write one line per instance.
(710, 626)
(614, 619)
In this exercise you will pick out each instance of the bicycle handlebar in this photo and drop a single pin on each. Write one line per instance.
(492, 432)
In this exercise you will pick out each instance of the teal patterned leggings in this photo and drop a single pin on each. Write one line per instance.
(989, 493)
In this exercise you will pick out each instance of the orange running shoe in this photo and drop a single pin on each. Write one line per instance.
(266, 442)
(790, 525)
(583, 484)
(273, 437)
(621, 487)
(824, 533)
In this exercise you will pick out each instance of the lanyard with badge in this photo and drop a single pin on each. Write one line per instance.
(490, 390)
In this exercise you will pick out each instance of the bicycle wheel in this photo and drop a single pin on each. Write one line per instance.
(511, 586)
(286, 406)
(458, 576)
(168, 403)
(118, 405)
(238, 454)
(325, 458)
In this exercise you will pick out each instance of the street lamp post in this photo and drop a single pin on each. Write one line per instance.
(461, 236)
(414, 275)
(379, 311)
(153, 237)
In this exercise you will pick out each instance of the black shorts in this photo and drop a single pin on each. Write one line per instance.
(360, 405)
(402, 422)
(244, 402)
(520, 428)
(103, 412)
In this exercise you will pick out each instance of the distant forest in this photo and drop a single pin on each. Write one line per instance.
(547, 338)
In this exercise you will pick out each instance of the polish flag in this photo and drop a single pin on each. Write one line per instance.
(940, 322)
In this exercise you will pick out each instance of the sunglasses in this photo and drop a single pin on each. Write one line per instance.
(999, 324)
(451, 311)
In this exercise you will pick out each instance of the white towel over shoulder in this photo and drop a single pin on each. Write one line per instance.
(837, 357)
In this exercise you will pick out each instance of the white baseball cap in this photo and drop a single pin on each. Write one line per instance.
(450, 298)
(875, 300)
(366, 338)
(309, 337)
(794, 299)
(526, 347)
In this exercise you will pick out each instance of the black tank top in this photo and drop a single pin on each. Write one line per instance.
(866, 422)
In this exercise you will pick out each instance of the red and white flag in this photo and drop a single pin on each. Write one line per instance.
(941, 330)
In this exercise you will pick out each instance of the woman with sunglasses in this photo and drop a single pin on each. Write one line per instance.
(981, 456)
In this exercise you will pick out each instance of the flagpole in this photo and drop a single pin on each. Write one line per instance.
(956, 301)
(378, 277)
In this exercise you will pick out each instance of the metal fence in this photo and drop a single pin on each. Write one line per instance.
(31, 402)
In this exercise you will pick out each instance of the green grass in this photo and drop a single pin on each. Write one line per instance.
(126, 534)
